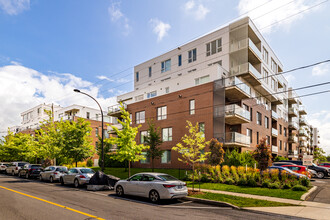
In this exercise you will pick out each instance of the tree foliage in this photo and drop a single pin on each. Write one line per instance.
(319, 155)
(153, 140)
(263, 155)
(192, 147)
(216, 152)
(234, 158)
(127, 148)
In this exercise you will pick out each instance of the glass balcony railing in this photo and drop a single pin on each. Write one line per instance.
(274, 149)
(293, 111)
(302, 144)
(302, 138)
(294, 124)
(274, 131)
(302, 132)
(234, 137)
(293, 138)
(237, 110)
(115, 108)
(238, 45)
(303, 121)
(234, 81)
(254, 48)
(245, 68)
(254, 71)
(274, 115)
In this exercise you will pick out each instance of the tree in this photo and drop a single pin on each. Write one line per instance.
(127, 148)
(76, 140)
(234, 158)
(153, 140)
(319, 155)
(216, 152)
(192, 147)
(263, 155)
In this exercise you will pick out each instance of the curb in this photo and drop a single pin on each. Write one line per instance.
(304, 196)
(210, 202)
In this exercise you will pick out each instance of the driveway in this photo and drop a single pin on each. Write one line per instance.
(322, 193)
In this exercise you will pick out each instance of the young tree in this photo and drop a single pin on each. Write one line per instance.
(319, 155)
(216, 152)
(153, 140)
(127, 148)
(263, 155)
(76, 140)
(192, 147)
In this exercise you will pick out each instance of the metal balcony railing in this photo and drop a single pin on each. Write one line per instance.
(274, 115)
(234, 81)
(237, 110)
(274, 131)
(293, 111)
(254, 48)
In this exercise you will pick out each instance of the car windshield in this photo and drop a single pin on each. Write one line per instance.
(61, 169)
(167, 177)
(314, 165)
(35, 166)
(87, 171)
(21, 164)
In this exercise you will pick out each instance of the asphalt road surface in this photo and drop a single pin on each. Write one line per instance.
(322, 193)
(31, 199)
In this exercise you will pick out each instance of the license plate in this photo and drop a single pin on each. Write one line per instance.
(179, 187)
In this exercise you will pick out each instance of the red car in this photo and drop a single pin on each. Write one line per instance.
(298, 169)
(324, 164)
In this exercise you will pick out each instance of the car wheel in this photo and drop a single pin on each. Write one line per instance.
(76, 183)
(154, 196)
(119, 191)
(40, 178)
(320, 175)
(51, 179)
(62, 181)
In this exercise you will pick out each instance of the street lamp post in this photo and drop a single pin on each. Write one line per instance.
(102, 152)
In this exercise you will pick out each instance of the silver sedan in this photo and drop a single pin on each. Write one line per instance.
(77, 176)
(52, 173)
(154, 186)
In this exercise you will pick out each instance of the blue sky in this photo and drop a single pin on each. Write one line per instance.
(49, 47)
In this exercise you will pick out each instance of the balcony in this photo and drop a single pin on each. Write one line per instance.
(293, 97)
(302, 121)
(293, 125)
(236, 89)
(256, 52)
(302, 138)
(274, 132)
(293, 139)
(274, 115)
(248, 72)
(302, 110)
(303, 132)
(302, 144)
(243, 44)
(234, 139)
(293, 154)
(114, 110)
(112, 131)
(274, 149)
(235, 114)
(293, 112)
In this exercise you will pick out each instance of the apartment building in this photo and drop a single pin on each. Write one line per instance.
(227, 81)
(32, 118)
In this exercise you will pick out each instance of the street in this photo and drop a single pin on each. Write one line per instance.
(322, 193)
(32, 199)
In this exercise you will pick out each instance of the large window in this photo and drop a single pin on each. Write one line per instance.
(249, 134)
(257, 137)
(280, 145)
(258, 118)
(140, 117)
(151, 94)
(265, 75)
(166, 65)
(280, 129)
(96, 132)
(192, 55)
(162, 113)
(144, 134)
(266, 122)
(214, 47)
(192, 106)
(137, 76)
(88, 115)
(265, 55)
(150, 71)
(267, 140)
(147, 160)
(274, 66)
(180, 60)
(166, 157)
(202, 128)
(167, 134)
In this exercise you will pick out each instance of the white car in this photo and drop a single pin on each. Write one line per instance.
(154, 186)
(3, 166)
(77, 176)
(14, 168)
(52, 173)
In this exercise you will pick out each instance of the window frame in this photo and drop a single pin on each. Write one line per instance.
(160, 113)
(166, 66)
(139, 120)
(169, 134)
(192, 106)
(168, 157)
(192, 55)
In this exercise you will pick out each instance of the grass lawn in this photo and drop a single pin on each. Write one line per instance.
(280, 193)
(122, 174)
(239, 201)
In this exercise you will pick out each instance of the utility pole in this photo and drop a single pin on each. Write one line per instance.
(53, 123)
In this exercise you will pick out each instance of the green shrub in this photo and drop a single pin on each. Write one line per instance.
(305, 182)
(265, 183)
(274, 185)
(229, 181)
(286, 185)
(242, 181)
(205, 178)
(89, 163)
(235, 177)
(299, 188)
(251, 182)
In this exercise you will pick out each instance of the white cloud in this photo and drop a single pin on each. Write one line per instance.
(321, 69)
(119, 18)
(104, 78)
(322, 122)
(14, 7)
(23, 88)
(198, 11)
(271, 12)
(159, 28)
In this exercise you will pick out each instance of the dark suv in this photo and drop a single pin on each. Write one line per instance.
(321, 171)
(30, 170)
(297, 162)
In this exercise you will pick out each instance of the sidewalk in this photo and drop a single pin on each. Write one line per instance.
(312, 210)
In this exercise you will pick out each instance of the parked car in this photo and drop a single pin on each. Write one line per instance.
(77, 176)
(154, 186)
(279, 164)
(3, 166)
(297, 162)
(321, 171)
(30, 171)
(288, 171)
(324, 165)
(52, 173)
(298, 169)
(312, 172)
(14, 167)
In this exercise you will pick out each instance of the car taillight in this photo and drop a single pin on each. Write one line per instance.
(16, 168)
(55, 173)
(185, 184)
(81, 176)
(2, 166)
(30, 170)
(168, 186)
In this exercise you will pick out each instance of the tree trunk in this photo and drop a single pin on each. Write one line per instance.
(76, 164)
(152, 164)
(193, 168)
(129, 168)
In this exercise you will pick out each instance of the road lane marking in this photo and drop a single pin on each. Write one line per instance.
(52, 203)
